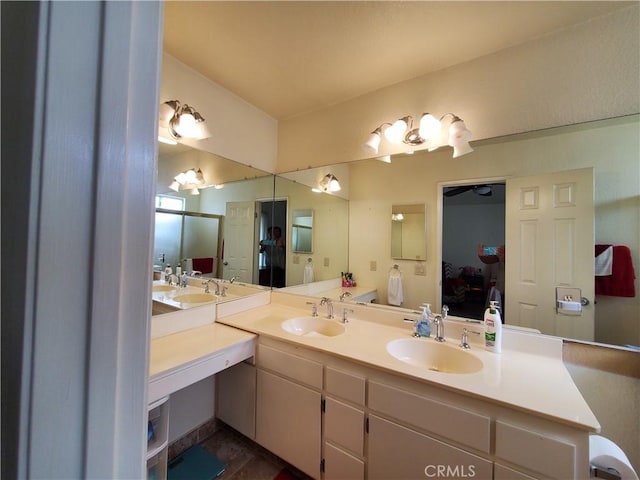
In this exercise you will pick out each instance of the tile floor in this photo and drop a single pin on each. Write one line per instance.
(246, 460)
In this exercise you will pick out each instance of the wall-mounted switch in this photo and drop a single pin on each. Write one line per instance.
(326, 261)
(296, 259)
(373, 265)
(420, 269)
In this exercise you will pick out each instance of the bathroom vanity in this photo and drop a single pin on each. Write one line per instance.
(340, 406)
(366, 400)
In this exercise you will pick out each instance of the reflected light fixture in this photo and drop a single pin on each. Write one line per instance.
(397, 217)
(180, 121)
(428, 132)
(329, 183)
(191, 179)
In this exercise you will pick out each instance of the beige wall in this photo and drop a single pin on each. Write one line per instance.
(228, 117)
(330, 231)
(584, 73)
(611, 147)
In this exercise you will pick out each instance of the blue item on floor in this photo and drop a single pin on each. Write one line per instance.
(194, 464)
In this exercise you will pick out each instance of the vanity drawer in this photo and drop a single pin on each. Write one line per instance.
(339, 464)
(296, 368)
(344, 425)
(345, 385)
(463, 426)
(550, 456)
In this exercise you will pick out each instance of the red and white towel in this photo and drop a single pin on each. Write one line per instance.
(621, 281)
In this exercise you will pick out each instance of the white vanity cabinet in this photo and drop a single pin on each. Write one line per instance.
(344, 424)
(334, 418)
(288, 407)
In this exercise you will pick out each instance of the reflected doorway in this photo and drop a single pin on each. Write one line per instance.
(271, 250)
(473, 218)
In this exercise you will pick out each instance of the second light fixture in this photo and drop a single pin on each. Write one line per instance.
(429, 132)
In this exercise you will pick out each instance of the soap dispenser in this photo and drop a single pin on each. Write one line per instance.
(493, 328)
(423, 326)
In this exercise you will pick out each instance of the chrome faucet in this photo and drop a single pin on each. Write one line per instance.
(327, 301)
(173, 280)
(233, 279)
(344, 294)
(206, 286)
(438, 322)
(445, 311)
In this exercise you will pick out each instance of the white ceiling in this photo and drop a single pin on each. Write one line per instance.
(290, 57)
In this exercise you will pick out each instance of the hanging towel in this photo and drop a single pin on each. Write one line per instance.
(604, 261)
(395, 295)
(308, 273)
(621, 282)
(204, 265)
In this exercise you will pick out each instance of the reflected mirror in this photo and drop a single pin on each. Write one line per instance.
(408, 232)
(302, 231)
(192, 226)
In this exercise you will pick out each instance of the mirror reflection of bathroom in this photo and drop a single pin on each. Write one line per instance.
(271, 251)
(408, 232)
(472, 216)
(302, 231)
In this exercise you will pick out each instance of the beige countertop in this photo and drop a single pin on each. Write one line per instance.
(538, 384)
(185, 357)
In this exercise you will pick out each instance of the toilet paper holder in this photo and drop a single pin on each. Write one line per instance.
(604, 473)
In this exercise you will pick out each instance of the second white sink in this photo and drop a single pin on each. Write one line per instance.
(434, 356)
(313, 326)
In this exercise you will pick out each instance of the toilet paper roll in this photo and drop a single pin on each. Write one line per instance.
(569, 308)
(605, 454)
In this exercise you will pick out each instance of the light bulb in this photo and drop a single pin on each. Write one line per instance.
(373, 142)
(195, 191)
(429, 126)
(175, 186)
(186, 126)
(395, 132)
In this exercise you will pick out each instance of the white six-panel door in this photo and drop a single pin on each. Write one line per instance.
(549, 244)
(239, 224)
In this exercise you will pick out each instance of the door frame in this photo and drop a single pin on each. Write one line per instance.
(439, 217)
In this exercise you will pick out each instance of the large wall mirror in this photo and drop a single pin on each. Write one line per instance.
(348, 234)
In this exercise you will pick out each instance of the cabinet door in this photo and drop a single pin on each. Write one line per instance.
(340, 465)
(288, 421)
(396, 452)
(344, 425)
(236, 398)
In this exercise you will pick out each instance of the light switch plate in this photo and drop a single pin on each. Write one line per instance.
(373, 265)
(420, 269)
(326, 261)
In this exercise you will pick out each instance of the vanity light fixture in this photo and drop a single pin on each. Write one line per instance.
(397, 217)
(191, 179)
(180, 121)
(428, 132)
(329, 183)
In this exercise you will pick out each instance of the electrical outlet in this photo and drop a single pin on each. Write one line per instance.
(373, 265)
(326, 261)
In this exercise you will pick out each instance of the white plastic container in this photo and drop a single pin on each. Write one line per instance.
(492, 328)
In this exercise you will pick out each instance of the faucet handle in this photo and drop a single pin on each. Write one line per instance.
(314, 309)
(464, 342)
(344, 294)
(344, 314)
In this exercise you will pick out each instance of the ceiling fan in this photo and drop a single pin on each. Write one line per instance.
(484, 190)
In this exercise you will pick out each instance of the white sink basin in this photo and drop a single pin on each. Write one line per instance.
(434, 356)
(194, 298)
(313, 326)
